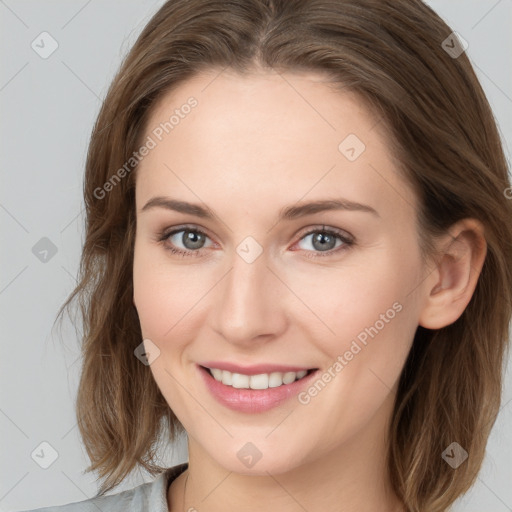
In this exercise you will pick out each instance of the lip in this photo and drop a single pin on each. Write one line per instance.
(253, 400)
(252, 370)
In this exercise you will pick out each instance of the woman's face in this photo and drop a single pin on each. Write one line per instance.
(268, 281)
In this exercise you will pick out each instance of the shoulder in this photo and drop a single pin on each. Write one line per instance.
(151, 496)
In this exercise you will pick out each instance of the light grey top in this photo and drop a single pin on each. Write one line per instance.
(151, 496)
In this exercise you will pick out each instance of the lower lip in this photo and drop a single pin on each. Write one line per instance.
(253, 400)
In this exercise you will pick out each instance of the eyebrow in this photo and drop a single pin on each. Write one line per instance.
(286, 213)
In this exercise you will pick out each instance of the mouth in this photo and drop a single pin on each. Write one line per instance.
(254, 393)
(260, 381)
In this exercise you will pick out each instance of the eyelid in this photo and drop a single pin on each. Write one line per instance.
(164, 234)
(347, 239)
(182, 227)
(324, 228)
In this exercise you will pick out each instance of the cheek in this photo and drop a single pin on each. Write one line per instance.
(348, 300)
(372, 317)
(152, 294)
(353, 298)
(373, 331)
(164, 293)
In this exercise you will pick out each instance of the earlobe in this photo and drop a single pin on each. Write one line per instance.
(451, 285)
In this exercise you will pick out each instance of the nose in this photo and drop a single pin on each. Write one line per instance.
(250, 303)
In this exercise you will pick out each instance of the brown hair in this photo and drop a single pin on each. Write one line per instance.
(445, 138)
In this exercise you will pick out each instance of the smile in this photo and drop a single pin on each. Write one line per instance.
(260, 381)
(254, 393)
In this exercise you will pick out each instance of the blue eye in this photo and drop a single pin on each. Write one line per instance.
(325, 241)
(194, 240)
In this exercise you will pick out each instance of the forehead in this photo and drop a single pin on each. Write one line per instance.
(266, 104)
(266, 134)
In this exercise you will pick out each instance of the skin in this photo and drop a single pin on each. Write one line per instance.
(253, 145)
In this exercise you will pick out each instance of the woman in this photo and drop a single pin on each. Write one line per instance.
(298, 251)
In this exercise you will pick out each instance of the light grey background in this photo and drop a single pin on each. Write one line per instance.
(48, 107)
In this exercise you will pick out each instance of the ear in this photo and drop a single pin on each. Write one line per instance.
(449, 288)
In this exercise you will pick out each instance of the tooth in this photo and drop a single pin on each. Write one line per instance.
(217, 374)
(259, 381)
(275, 379)
(240, 381)
(289, 377)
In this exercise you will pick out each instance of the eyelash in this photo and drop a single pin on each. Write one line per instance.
(164, 235)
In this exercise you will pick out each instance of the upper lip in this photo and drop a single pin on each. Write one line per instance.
(255, 369)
